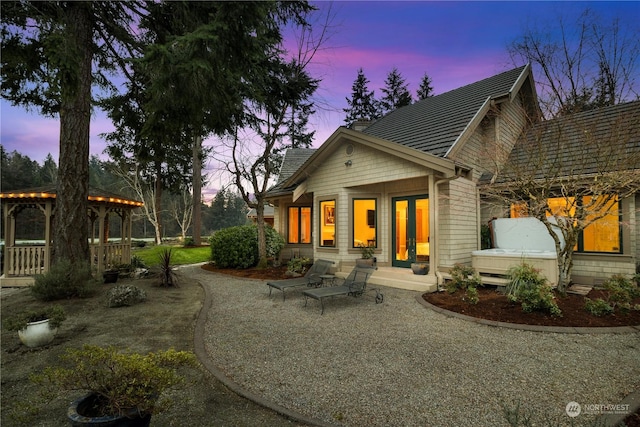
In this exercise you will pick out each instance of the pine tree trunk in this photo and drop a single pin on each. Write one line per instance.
(70, 236)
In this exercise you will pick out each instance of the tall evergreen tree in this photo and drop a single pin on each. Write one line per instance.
(396, 92)
(425, 90)
(362, 104)
(52, 54)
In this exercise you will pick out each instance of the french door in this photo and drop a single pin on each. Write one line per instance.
(410, 230)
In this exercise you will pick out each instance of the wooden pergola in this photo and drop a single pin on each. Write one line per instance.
(22, 261)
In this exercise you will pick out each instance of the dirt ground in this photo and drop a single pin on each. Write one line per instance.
(165, 320)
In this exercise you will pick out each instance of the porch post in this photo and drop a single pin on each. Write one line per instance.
(101, 234)
(9, 236)
(433, 225)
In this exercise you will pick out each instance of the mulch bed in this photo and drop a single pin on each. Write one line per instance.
(495, 306)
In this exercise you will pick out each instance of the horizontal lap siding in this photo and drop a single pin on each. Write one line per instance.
(458, 233)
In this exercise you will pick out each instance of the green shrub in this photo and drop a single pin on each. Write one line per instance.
(64, 280)
(597, 307)
(621, 290)
(122, 380)
(471, 295)
(528, 287)
(55, 314)
(298, 265)
(188, 242)
(463, 277)
(237, 247)
(539, 299)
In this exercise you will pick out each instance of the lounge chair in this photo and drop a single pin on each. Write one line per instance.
(311, 278)
(355, 285)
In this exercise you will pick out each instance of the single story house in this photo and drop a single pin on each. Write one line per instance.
(408, 184)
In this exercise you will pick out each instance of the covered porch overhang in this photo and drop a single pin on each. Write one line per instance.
(21, 260)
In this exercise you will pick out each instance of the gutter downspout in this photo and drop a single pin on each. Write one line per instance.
(439, 278)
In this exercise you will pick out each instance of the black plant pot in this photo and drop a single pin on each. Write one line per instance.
(110, 276)
(80, 410)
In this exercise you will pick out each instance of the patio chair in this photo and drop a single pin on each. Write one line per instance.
(355, 285)
(311, 278)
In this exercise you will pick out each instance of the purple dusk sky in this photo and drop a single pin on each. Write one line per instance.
(455, 43)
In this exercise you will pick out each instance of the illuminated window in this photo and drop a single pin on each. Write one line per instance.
(364, 222)
(603, 235)
(299, 229)
(328, 223)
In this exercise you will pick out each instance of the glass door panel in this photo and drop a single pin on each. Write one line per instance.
(410, 230)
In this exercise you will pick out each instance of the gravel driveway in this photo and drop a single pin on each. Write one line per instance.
(399, 363)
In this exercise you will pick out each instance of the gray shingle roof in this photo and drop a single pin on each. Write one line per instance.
(293, 159)
(587, 143)
(433, 124)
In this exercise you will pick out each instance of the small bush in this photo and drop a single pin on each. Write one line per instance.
(139, 243)
(463, 277)
(621, 290)
(237, 247)
(539, 299)
(189, 242)
(471, 295)
(125, 295)
(64, 280)
(298, 265)
(598, 307)
(528, 287)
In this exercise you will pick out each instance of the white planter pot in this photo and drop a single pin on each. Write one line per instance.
(37, 334)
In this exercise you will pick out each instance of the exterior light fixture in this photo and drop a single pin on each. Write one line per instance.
(348, 163)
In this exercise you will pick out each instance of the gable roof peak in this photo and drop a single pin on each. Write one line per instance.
(434, 124)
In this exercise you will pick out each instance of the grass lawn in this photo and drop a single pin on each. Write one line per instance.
(179, 255)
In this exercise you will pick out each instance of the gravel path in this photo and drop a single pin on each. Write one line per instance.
(398, 363)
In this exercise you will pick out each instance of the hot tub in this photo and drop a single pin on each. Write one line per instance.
(519, 240)
(499, 261)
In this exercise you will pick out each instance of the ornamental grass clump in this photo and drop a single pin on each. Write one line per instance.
(528, 287)
(121, 381)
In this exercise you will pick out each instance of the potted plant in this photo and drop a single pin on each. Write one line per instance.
(367, 259)
(111, 275)
(123, 389)
(420, 268)
(37, 327)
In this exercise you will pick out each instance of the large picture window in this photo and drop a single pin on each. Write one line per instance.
(364, 222)
(299, 226)
(328, 223)
(603, 235)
